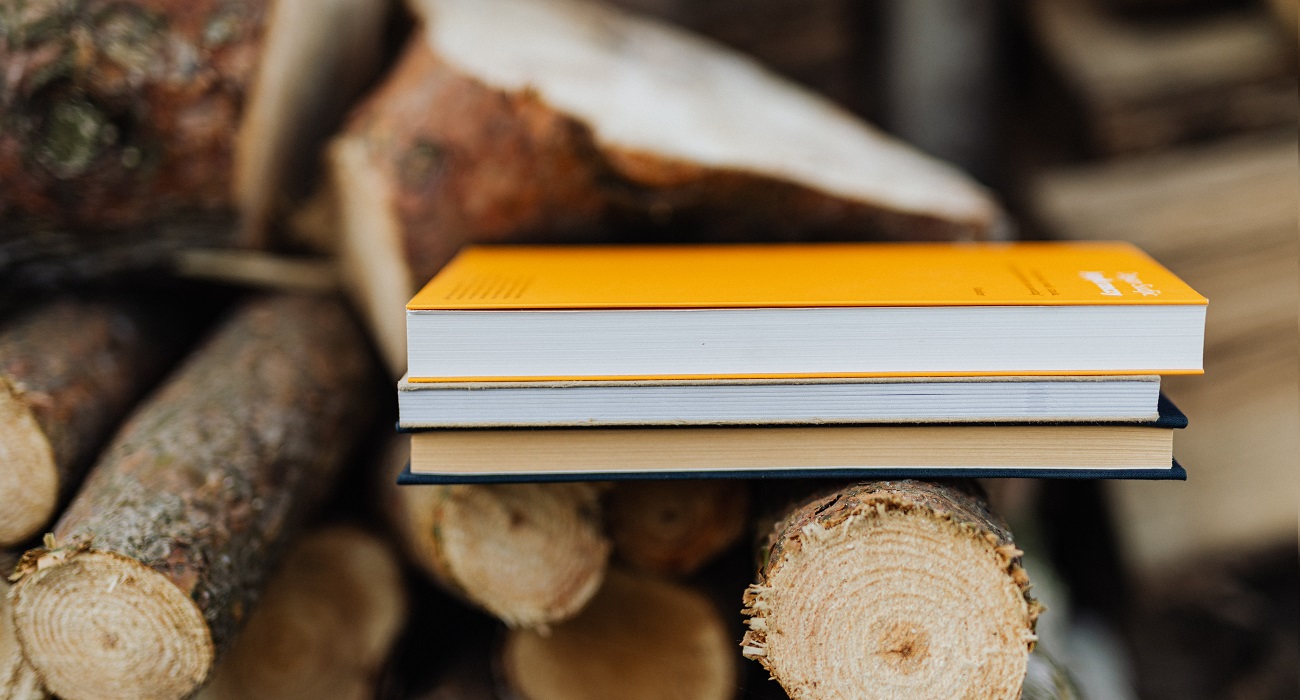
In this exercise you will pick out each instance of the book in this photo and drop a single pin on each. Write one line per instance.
(1098, 450)
(423, 405)
(837, 310)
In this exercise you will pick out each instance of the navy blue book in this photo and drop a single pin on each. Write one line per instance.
(926, 450)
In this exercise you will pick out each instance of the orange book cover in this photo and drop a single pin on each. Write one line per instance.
(802, 275)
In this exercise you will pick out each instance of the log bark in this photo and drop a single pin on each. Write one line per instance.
(153, 567)
(324, 625)
(68, 371)
(886, 589)
(671, 527)
(484, 132)
(132, 130)
(640, 638)
(529, 554)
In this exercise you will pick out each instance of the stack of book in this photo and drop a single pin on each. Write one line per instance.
(862, 360)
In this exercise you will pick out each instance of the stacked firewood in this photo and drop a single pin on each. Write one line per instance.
(1187, 146)
(215, 512)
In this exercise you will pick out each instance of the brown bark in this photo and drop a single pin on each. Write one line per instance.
(892, 588)
(130, 130)
(324, 625)
(156, 562)
(673, 527)
(68, 372)
(440, 156)
(529, 554)
(640, 638)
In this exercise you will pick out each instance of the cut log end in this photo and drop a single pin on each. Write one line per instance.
(901, 599)
(323, 627)
(98, 625)
(29, 481)
(638, 639)
(671, 527)
(531, 554)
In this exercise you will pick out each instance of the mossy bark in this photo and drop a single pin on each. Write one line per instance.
(118, 124)
(74, 368)
(922, 582)
(191, 505)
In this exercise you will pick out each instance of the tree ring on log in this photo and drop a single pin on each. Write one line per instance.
(530, 554)
(894, 600)
(29, 479)
(100, 626)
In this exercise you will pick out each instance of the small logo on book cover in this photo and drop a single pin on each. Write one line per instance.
(1138, 285)
(1106, 284)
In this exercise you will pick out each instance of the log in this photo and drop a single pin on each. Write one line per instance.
(891, 589)
(814, 43)
(152, 568)
(673, 527)
(640, 638)
(68, 371)
(132, 130)
(1145, 85)
(487, 131)
(529, 554)
(324, 625)
(18, 680)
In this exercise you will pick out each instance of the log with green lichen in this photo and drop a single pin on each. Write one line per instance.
(152, 568)
(891, 589)
(69, 370)
(131, 130)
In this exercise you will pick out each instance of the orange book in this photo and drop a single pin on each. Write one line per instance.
(810, 310)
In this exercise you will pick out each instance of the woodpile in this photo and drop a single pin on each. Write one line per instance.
(874, 567)
(148, 573)
(170, 535)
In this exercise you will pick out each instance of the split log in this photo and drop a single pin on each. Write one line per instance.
(1147, 85)
(529, 554)
(640, 638)
(673, 527)
(68, 372)
(891, 589)
(813, 42)
(499, 124)
(324, 626)
(131, 130)
(152, 568)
